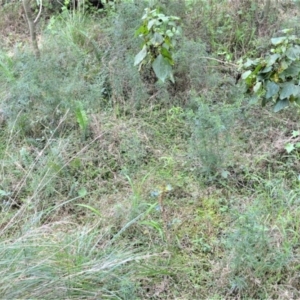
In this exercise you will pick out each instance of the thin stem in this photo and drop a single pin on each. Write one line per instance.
(220, 61)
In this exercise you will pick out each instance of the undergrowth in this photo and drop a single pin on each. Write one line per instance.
(114, 185)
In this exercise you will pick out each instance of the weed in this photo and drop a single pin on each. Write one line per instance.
(260, 244)
(209, 145)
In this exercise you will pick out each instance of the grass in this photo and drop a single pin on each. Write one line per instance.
(65, 260)
(114, 186)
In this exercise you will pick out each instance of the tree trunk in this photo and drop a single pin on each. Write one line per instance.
(32, 26)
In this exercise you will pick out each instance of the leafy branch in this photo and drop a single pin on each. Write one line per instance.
(159, 33)
(275, 78)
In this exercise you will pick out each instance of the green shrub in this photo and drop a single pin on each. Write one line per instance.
(259, 253)
(209, 149)
(159, 33)
(68, 72)
(274, 78)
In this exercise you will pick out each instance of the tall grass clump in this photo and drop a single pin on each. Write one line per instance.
(44, 250)
(66, 261)
(30, 172)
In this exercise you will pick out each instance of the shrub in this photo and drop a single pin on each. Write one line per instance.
(159, 33)
(211, 136)
(259, 253)
(275, 77)
(45, 89)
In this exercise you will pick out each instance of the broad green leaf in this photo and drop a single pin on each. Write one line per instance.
(262, 77)
(281, 49)
(272, 89)
(297, 145)
(165, 45)
(164, 19)
(281, 104)
(266, 69)
(250, 63)
(162, 68)
(257, 87)
(151, 23)
(82, 192)
(278, 40)
(257, 69)
(140, 56)
(3, 193)
(171, 23)
(289, 147)
(289, 89)
(154, 12)
(246, 74)
(272, 59)
(284, 65)
(293, 52)
(169, 33)
(168, 42)
(157, 39)
(141, 30)
(292, 70)
(295, 133)
(165, 53)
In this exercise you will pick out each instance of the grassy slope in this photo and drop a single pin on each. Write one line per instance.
(150, 198)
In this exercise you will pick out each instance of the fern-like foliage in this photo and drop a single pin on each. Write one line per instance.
(81, 116)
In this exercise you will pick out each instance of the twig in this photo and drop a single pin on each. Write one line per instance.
(39, 14)
(220, 61)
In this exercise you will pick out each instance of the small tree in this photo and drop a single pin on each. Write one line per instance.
(159, 33)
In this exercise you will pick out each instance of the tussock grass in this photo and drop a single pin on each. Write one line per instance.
(67, 261)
